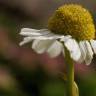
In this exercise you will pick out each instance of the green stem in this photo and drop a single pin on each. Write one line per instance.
(70, 73)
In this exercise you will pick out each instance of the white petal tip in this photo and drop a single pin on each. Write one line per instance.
(21, 44)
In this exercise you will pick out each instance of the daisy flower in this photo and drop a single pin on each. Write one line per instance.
(70, 26)
(71, 31)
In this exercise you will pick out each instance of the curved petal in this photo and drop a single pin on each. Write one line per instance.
(29, 31)
(46, 37)
(55, 49)
(73, 48)
(40, 46)
(93, 44)
(27, 40)
(34, 32)
(83, 51)
(89, 53)
(65, 38)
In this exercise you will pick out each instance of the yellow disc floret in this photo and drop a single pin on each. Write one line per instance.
(72, 20)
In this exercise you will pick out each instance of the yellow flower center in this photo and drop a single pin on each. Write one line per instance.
(72, 20)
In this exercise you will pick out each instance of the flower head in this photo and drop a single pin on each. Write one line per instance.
(69, 24)
(72, 20)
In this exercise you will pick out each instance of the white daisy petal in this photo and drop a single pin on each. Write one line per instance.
(40, 46)
(83, 51)
(27, 40)
(73, 48)
(65, 38)
(29, 32)
(55, 49)
(89, 53)
(34, 32)
(43, 37)
(93, 44)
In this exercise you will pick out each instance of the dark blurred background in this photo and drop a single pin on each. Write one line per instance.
(22, 71)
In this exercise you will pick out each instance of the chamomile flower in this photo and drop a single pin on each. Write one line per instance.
(71, 26)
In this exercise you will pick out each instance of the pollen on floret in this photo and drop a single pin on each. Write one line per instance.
(72, 20)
